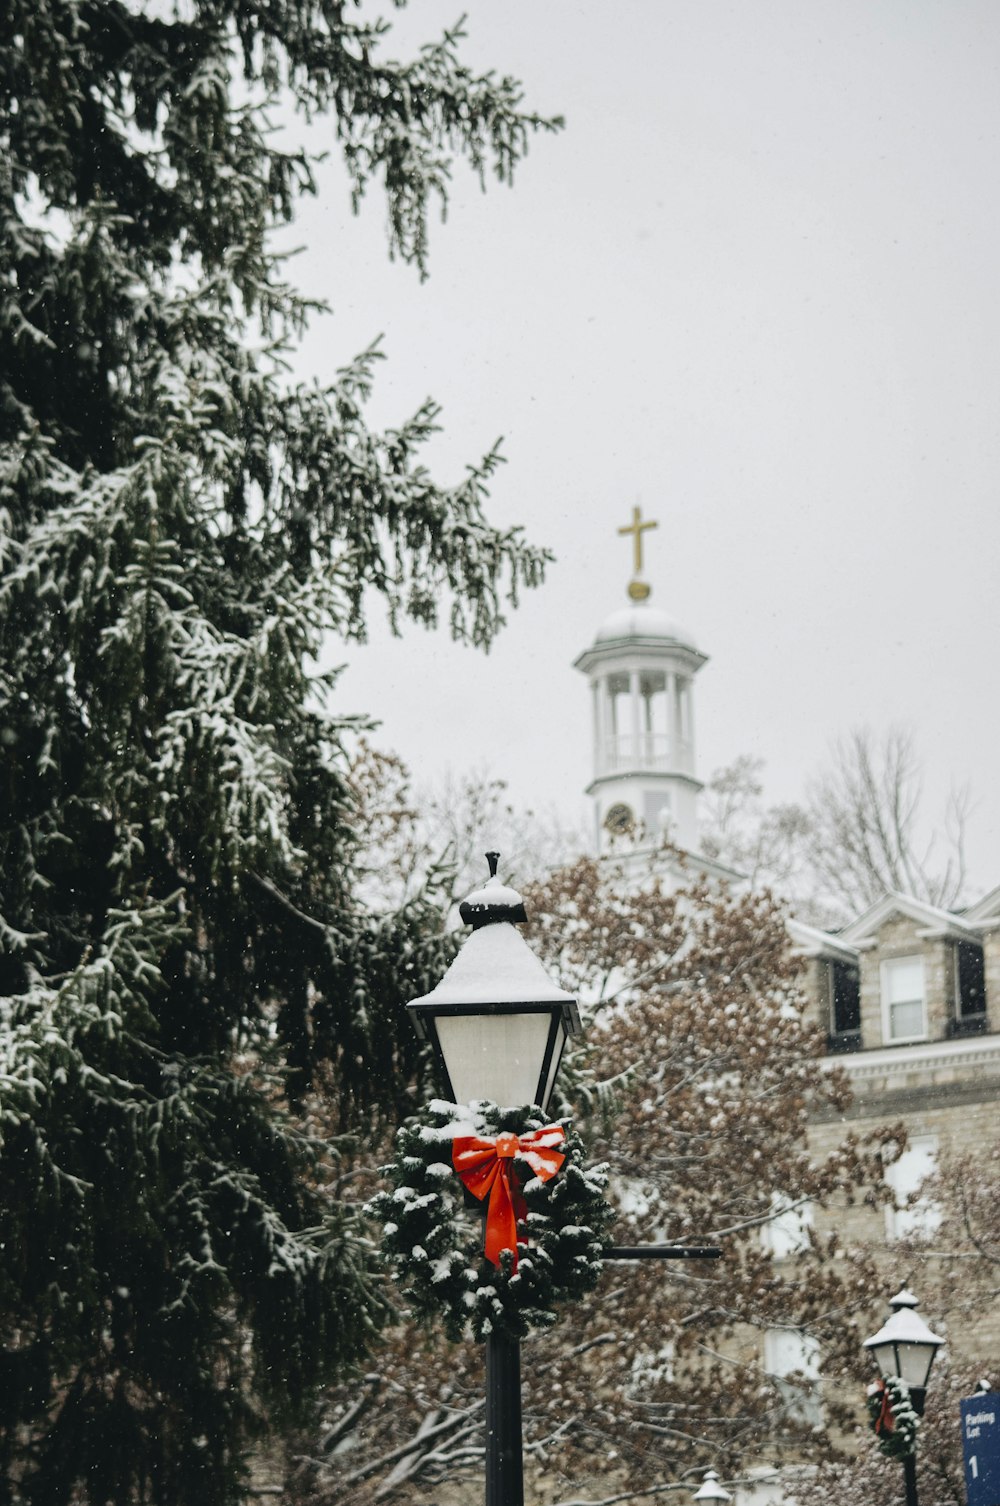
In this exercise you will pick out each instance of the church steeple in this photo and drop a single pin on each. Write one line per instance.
(641, 668)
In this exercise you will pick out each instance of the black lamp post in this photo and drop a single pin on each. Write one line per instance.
(904, 1349)
(498, 1025)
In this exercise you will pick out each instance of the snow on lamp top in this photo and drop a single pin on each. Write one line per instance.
(904, 1326)
(904, 1346)
(494, 902)
(496, 1020)
(710, 1489)
(495, 964)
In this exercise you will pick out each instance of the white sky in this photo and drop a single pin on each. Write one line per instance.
(753, 286)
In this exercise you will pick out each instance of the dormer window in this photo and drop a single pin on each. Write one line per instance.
(970, 990)
(845, 1007)
(904, 1007)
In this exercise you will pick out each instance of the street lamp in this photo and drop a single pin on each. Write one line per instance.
(710, 1489)
(498, 1025)
(904, 1349)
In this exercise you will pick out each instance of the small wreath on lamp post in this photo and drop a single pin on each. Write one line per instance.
(530, 1175)
(892, 1417)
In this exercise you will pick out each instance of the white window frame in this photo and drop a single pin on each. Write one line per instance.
(787, 1233)
(801, 1397)
(884, 973)
(923, 1217)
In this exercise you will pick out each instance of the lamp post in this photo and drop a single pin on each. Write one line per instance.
(497, 1025)
(904, 1349)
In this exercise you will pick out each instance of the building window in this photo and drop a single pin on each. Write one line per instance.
(787, 1232)
(652, 1367)
(970, 989)
(656, 812)
(791, 1359)
(913, 1214)
(845, 1007)
(903, 999)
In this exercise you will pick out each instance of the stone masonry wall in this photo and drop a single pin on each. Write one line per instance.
(956, 1126)
(952, 1094)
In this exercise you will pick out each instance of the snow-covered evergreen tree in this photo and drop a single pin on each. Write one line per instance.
(180, 526)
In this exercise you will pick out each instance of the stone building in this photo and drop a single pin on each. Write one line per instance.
(909, 998)
(908, 995)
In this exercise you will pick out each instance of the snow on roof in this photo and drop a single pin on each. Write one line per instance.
(641, 629)
(638, 620)
(931, 917)
(496, 966)
(813, 942)
(988, 908)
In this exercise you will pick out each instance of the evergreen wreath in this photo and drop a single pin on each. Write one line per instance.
(433, 1229)
(893, 1418)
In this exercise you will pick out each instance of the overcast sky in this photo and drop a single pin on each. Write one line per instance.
(752, 286)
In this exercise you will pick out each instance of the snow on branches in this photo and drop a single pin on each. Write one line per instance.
(183, 528)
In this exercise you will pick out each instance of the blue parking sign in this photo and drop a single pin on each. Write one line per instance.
(981, 1447)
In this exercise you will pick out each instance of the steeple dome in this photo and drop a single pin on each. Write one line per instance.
(641, 622)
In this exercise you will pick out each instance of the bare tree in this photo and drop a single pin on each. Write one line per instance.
(861, 831)
(767, 843)
(866, 832)
(435, 836)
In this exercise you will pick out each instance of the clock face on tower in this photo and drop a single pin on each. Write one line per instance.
(619, 819)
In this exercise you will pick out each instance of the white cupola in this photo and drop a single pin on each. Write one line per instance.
(641, 668)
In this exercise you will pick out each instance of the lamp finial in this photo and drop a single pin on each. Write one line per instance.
(493, 859)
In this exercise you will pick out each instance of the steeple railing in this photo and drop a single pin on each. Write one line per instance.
(623, 750)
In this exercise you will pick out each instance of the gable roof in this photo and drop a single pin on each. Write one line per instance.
(810, 941)
(933, 921)
(985, 911)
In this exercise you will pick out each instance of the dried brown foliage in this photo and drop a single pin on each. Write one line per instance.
(696, 1080)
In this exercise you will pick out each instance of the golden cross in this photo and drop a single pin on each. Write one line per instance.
(637, 528)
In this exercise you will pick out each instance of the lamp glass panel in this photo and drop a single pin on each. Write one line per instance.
(915, 1362)
(494, 1056)
(885, 1358)
(557, 1051)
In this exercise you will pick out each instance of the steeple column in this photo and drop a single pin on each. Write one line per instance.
(689, 726)
(673, 722)
(635, 698)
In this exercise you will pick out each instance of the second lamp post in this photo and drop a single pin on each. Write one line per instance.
(904, 1349)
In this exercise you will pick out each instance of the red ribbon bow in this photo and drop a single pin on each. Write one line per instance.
(487, 1169)
(885, 1422)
